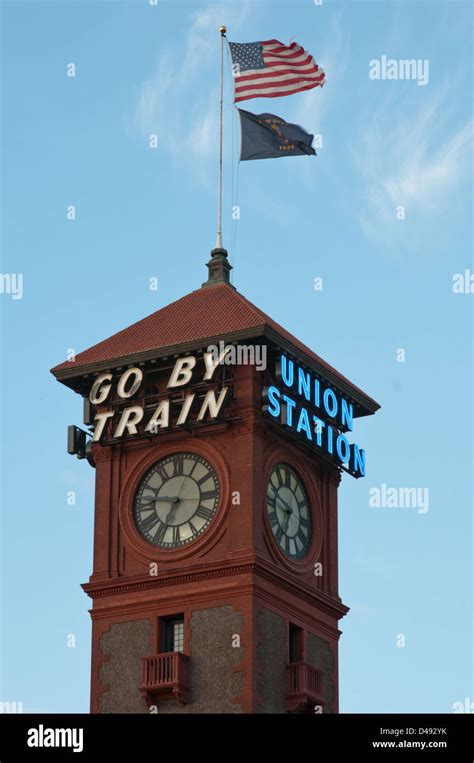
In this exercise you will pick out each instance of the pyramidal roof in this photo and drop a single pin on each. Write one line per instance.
(203, 315)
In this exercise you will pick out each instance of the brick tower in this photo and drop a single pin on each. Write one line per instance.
(218, 441)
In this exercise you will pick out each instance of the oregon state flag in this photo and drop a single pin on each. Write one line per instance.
(266, 136)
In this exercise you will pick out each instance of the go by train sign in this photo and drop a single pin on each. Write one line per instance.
(302, 403)
(136, 418)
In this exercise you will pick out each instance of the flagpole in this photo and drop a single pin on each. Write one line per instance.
(222, 31)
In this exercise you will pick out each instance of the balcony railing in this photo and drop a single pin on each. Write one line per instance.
(304, 687)
(165, 676)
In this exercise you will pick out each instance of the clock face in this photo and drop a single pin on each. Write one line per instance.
(288, 511)
(176, 500)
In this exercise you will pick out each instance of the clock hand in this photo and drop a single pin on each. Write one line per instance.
(180, 488)
(174, 502)
(285, 504)
(145, 505)
(162, 499)
(171, 512)
(291, 514)
(277, 498)
(293, 510)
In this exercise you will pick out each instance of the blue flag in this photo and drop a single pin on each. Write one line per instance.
(266, 136)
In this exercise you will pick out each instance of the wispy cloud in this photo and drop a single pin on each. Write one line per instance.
(163, 105)
(309, 109)
(409, 157)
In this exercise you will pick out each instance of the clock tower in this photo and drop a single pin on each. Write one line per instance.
(218, 441)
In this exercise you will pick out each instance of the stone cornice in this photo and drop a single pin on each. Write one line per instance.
(256, 569)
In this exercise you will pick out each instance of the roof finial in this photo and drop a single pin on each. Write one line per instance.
(219, 268)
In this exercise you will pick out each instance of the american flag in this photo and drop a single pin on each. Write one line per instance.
(270, 69)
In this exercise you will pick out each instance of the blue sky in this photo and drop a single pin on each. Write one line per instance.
(144, 213)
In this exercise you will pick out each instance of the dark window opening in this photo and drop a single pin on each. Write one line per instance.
(295, 643)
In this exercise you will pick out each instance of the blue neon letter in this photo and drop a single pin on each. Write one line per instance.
(317, 393)
(330, 445)
(287, 371)
(304, 383)
(344, 456)
(347, 414)
(303, 423)
(331, 408)
(290, 404)
(358, 460)
(274, 399)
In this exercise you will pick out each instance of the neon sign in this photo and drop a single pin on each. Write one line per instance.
(315, 412)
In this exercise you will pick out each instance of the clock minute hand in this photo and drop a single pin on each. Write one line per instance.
(167, 499)
(285, 504)
(180, 488)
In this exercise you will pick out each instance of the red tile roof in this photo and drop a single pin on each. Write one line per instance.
(204, 313)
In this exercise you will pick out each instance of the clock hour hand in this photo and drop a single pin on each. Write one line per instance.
(288, 517)
(171, 513)
(167, 499)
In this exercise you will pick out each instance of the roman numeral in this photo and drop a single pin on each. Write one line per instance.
(287, 544)
(286, 477)
(160, 534)
(278, 534)
(304, 522)
(178, 465)
(273, 519)
(204, 513)
(271, 497)
(146, 503)
(302, 536)
(176, 535)
(153, 491)
(203, 479)
(208, 495)
(161, 471)
(148, 523)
